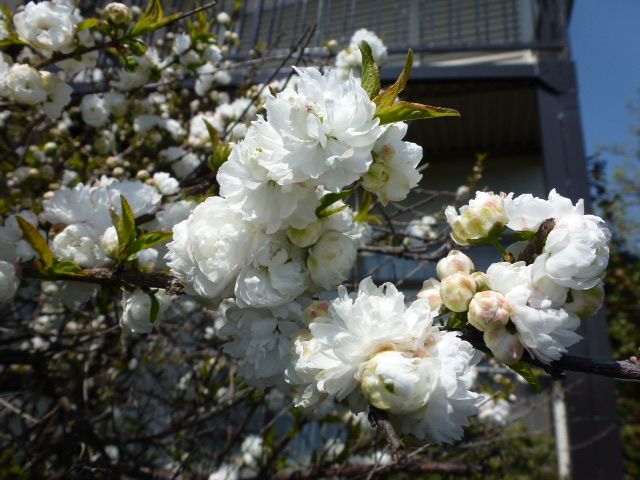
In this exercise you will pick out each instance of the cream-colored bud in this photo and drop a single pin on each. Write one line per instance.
(430, 291)
(142, 175)
(505, 346)
(456, 261)
(305, 237)
(483, 217)
(585, 303)
(457, 290)
(488, 310)
(118, 14)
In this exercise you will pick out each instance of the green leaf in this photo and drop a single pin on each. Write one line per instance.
(388, 97)
(125, 226)
(148, 240)
(370, 72)
(221, 151)
(87, 24)
(406, 111)
(323, 210)
(35, 239)
(66, 267)
(155, 307)
(152, 19)
(524, 370)
(364, 215)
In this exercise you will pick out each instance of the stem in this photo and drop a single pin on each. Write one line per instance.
(379, 419)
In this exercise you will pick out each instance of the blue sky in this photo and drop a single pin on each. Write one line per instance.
(605, 36)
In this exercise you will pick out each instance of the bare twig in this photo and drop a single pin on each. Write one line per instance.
(536, 244)
(379, 419)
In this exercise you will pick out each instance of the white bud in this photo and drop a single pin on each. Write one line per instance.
(118, 14)
(398, 383)
(585, 303)
(456, 261)
(457, 290)
(223, 18)
(505, 346)
(331, 259)
(430, 291)
(488, 311)
(305, 237)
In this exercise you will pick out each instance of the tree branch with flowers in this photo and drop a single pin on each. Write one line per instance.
(299, 166)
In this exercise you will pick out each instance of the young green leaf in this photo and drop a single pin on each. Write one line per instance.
(524, 370)
(221, 151)
(87, 23)
(388, 97)
(66, 267)
(370, 72)
(35, 239)
(406, 111)
(323, 210)
(149, 239)
(457, 321)
(152, 19)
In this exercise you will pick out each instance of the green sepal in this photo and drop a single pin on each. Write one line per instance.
(523, 369)
(323, 211)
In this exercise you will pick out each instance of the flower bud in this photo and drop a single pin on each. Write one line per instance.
(397, 383)
(483, 217)
(457, 290)
(456, 261)
(488, 311)
(223, 18)
(585, 303)
(331, 259)
(109, 241)
(430, 291)
(305, 237)
(316, 309)
(505, 346)
(118, 14)
(482, 281)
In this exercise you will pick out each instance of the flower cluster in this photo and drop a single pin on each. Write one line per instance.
(536, 303)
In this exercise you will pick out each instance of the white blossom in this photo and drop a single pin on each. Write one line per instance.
(94, 110)
(165, 183)
(210, 248)
(328, 130)
(46, 26)
(526, 212)
(482, 217)
(9, 282)
(494, 412)
(25, 85)
(80, 243)
(137, 309)
(393, 172)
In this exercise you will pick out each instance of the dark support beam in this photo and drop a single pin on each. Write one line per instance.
(596, 449)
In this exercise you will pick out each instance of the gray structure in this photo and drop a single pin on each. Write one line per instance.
(506, 65)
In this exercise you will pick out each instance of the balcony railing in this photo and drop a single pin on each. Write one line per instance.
(429, 27)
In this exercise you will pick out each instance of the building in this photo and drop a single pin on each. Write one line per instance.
(506, 66)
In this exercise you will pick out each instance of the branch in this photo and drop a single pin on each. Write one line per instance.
(379, 419)
(110, 277)
(618, 369)
(536, 244)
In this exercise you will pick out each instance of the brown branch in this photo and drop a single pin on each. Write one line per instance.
(379, 419)
(605, 367)
(110, 277)
(536, 244)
